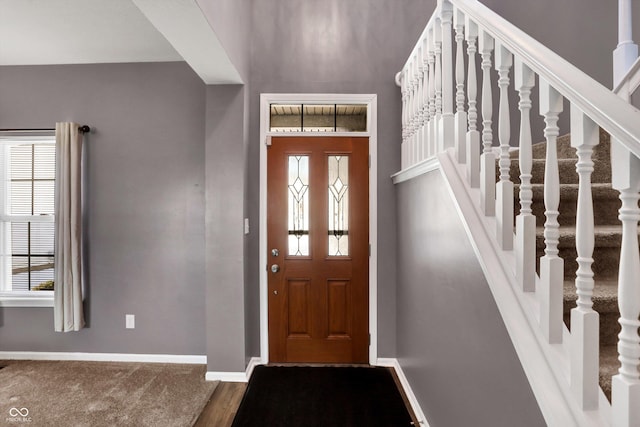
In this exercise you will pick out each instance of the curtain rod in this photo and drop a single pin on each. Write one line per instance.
(82, 128)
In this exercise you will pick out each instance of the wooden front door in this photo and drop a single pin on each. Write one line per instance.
(318, 237)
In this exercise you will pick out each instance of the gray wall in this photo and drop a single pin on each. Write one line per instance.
(225, 184)
(145, 207)
(336, 46)
(452, 343)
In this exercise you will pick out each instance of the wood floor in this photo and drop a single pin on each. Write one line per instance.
(226, 399)
(223, 405)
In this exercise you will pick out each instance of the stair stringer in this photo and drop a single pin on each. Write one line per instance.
(545, 365)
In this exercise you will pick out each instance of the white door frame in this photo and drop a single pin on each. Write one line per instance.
(266, 99)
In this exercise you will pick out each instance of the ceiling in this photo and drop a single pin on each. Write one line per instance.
(37, 32)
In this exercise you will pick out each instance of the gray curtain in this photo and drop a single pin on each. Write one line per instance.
(67, 299)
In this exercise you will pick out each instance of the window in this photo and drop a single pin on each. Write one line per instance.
(318, 118)
(27, 178)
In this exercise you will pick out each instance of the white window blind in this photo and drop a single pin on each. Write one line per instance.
(27, 168)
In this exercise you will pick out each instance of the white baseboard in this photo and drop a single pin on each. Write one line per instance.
(103, 357)
(417, 410)
(234, 377)
(255, 361)
(227, 377)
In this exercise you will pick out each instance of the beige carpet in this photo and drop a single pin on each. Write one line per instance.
(102, 394)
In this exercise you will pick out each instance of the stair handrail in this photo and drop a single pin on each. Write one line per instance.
(616, 117)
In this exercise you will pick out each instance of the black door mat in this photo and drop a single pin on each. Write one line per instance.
(278, 396)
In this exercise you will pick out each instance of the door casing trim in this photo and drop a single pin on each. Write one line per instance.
(371, 100)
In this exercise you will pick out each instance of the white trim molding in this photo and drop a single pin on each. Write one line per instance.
(104, 357)
(227, 377)
(413, 401)
(18, 299)
(414, 171)
(234, 377)
(266, 99)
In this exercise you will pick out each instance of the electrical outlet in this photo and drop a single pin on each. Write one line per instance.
(130, 321)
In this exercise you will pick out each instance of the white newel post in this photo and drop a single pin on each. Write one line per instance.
(585, 340)
(504, 188)
(626, 52)
(473, 136)
(432, 130)
(460, 121)
(488, 158)
(551, 265)
(625, 387)
(525, 221)
(448, 120)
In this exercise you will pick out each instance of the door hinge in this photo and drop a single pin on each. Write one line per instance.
(369, 339)
(369, 161)
(369, 249)
(268, 141)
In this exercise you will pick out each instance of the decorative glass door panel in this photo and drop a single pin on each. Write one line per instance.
(318, 254)
(338, 202)
(298, 211)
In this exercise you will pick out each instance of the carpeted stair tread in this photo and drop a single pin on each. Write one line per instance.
(608, 236)
(566, 170)
(605, 296)
(599, 190)
(606, 254)
(566, 151)
(606, 203)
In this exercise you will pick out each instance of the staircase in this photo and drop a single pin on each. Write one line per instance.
(448, 122)
(608, 234)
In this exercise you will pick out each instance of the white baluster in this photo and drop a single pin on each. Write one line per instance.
(488, 158)
(438, 51)
(473, 136)
(433, 141)
(414, 119)
(460, 126)
(418, 106)
(425, 96)
(625, 386)
(525, 221)
(447, 127)
(585, 339)
(504, 188)
(405, 107)
(551, 265)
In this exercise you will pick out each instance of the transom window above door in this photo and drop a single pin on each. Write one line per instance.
(318, 118)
